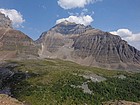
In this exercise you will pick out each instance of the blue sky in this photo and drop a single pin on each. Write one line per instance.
(107, 15)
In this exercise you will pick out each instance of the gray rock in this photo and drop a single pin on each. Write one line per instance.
(66, 28)
(85, 88)
(5, 22)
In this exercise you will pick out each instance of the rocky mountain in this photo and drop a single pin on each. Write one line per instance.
(14, 43)
(88, 46)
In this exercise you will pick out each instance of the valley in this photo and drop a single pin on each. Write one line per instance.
(58, 82)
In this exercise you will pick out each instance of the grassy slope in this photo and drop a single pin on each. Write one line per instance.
(51, 80)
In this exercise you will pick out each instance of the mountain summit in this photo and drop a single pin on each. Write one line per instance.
(88, 46)
(5, 22)
(67, 27)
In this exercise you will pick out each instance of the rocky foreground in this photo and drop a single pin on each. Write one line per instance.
(120, 103)
(7, 100)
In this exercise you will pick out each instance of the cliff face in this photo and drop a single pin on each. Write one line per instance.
(14, 43)
(106, 50)
(88, 46)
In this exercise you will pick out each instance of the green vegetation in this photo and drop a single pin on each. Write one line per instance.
(117, 89)
(49, 83)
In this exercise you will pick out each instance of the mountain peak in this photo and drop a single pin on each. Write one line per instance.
(88, 46)
(65, 22)
(67, 27)
(5, 22)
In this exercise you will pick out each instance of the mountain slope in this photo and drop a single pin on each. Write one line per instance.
(14, 43)
(88, 46)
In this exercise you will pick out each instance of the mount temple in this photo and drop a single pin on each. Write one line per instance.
(88, 46)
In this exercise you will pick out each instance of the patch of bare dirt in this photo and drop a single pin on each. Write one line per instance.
(7, 100)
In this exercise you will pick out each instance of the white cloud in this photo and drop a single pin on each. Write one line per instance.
(82, 19)
(126, 34)
(123, 33)
(69, 4)
(44, 7)
(83, 12)
(86, 11)
(15, 17)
